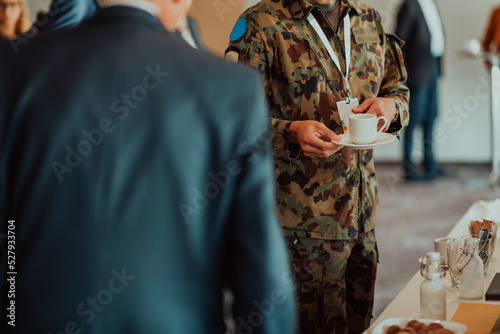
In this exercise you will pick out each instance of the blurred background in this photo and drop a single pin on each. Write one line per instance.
(411, 215)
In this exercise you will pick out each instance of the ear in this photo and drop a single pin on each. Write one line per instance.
(172, 11)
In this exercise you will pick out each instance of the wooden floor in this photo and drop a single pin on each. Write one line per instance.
(412, 215)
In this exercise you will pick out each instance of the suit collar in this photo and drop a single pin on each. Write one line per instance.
(302, 8)
(140, 4)
(127, 14)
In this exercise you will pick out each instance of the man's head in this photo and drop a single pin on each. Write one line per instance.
(172, 12)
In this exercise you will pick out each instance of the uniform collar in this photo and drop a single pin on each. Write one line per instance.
(301, 8)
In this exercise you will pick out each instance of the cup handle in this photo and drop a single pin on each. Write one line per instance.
(383, 126)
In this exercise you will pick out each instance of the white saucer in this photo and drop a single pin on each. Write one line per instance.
(382, 138)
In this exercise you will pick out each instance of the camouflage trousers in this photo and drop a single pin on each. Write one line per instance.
(335, 282)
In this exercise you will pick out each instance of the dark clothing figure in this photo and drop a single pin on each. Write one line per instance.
(62, 14)
(137, 174)
(65, 13)
(420, 27)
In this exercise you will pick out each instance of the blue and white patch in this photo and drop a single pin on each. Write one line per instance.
(240, 28)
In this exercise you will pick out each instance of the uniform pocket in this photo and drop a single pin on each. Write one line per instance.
(298, 74)
(364, 35)
(307, 269)
(296, 58)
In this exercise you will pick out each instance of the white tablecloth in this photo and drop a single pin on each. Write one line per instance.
(407, 302)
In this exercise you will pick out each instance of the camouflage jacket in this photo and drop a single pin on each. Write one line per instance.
(334, 197)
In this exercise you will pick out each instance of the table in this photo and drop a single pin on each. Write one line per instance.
(407, 302)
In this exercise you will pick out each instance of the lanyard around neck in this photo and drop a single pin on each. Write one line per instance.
(347, 47)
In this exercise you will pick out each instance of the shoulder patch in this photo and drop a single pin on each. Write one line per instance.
(240, 28)
(232, 56)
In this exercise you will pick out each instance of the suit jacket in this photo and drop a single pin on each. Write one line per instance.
(413, 29)
(138, 173)
(492, 35)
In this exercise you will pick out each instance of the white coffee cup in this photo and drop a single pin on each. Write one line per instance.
(440, 246)
(363, 128)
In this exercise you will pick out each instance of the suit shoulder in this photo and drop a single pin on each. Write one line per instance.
(32, 44)
(236, 90)
(233, 75)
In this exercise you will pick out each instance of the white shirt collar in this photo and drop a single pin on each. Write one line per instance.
(139, 4)
(435, 26)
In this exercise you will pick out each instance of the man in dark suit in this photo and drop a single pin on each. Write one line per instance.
(420, 26)
(135, 183)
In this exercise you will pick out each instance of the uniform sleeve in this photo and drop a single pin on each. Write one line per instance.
(251, 50)
(393, 82)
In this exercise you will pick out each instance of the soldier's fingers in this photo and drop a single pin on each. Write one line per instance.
(319, 144)
(376, 108)
(335, 150)
(321, 149)
(325, 131)
(363, 106)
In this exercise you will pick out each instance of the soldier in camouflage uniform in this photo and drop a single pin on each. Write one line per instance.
(327, 195)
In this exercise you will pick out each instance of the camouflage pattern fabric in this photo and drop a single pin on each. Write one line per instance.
(335, 282)
(326, 198)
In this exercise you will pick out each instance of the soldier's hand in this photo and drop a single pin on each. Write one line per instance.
(379, 106)
(308, 135)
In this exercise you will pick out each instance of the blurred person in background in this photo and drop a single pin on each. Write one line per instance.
(491, 40)
(14, 18)
(65, 13)
(61, 14)
(135, 190)
(419, 25)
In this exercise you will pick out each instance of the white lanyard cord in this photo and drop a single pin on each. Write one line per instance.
(347, 47)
